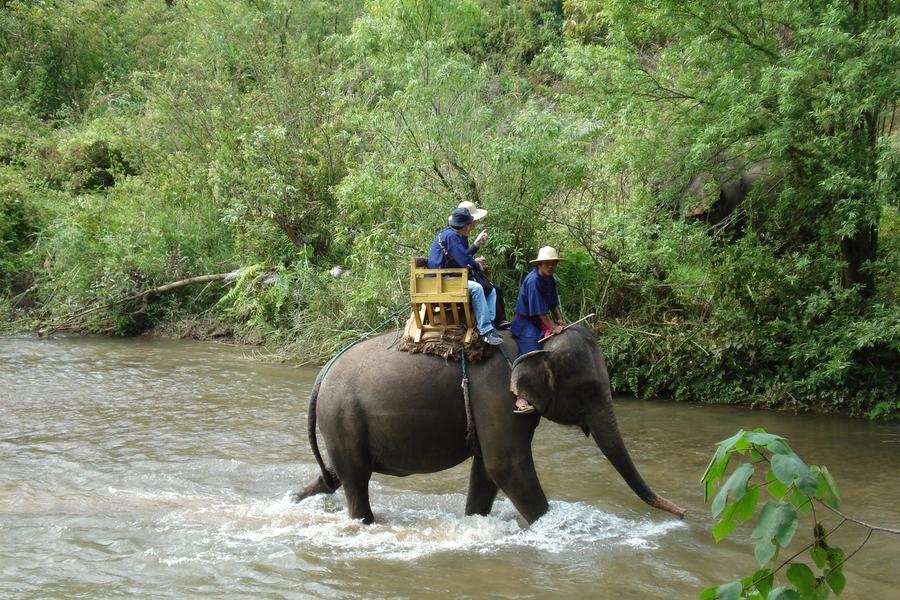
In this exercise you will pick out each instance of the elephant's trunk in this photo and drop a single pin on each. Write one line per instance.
(603, 426)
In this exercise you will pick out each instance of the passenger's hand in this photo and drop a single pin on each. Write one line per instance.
(481, 261)
(558, 328)
(481, 239)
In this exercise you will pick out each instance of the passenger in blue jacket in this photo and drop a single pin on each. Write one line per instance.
(450, 250)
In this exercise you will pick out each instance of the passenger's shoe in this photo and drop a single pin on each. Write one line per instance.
(503, 325)
(493, 339)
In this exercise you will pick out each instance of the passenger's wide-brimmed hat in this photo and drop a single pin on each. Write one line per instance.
(460, 217)
(546, 253)
(477, 213)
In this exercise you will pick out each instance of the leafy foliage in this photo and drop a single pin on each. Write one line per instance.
(145, 142)
(769, 466)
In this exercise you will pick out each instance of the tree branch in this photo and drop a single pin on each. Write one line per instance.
(162, 289)
(858, 522)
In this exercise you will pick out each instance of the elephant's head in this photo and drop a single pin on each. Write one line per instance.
(567, 382)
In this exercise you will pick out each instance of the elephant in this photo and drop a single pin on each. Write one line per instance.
(381, 410)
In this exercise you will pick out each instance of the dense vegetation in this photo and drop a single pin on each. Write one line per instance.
(722, 175)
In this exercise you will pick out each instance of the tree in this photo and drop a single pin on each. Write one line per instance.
(811, 86)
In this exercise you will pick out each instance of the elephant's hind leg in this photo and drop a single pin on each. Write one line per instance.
(482, 490)
(356, 490)
(318, 486)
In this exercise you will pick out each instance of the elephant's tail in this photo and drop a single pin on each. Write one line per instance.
(329, 477)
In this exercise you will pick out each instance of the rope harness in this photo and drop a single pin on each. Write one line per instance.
(471, 437)
(471, 440)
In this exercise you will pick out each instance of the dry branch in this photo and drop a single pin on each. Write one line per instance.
(145, 295)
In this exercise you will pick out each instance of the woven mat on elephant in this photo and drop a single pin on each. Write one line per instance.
(445, 344)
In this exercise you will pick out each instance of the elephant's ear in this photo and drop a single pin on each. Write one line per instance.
(533, 377)
(527, 355)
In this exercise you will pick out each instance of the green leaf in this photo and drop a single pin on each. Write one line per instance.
(746, 506)
(775, 488)
(729, 591)
(714, 471)
(835, 557)
(819, 556)
(781, 593)
(729, 444)
(723, 528)
(808, 485)
(736, 486)
(836, 580)
(802, 577)
(786, 524)
(719, 463)
(763, 579)
(708, 594)
(765, 524)
(764, 551)
(820, 593)
(828, 489)
(775, 528)
(788, 468)
(773, 443)
(799, 500)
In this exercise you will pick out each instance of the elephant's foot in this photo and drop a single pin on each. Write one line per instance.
(319, 486)
(356, 491)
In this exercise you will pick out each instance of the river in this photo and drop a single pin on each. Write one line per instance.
(153, 468)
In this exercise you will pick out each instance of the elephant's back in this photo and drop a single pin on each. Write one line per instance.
(372, 362)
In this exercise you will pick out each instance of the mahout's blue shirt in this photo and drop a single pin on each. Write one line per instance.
(537, 295)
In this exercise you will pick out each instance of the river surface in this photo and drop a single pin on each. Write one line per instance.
(145, 468)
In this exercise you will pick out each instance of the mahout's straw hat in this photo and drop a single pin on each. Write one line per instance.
(547, 253)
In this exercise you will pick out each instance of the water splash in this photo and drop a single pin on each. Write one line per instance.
(408, 527)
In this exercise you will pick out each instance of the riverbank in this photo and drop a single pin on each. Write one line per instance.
(208, 329)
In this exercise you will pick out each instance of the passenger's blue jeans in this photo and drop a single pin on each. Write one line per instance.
(485, 307)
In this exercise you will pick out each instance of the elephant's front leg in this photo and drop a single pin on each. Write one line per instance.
(482, 490)
(518, 479)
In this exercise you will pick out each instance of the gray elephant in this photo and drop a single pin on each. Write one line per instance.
(385, 411)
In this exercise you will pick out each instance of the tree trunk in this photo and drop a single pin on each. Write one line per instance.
(855, 252)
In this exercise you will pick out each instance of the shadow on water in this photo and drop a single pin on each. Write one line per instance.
(154, 468)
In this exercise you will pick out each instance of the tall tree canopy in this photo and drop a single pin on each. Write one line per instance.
(723, 176)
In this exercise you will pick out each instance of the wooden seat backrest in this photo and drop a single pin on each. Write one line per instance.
(440, 298)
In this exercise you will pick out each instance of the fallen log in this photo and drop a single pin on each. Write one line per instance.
(144, 296)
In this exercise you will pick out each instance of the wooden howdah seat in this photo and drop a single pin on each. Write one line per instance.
(440, 302)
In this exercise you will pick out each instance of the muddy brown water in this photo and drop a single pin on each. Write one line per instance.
(161, 469)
